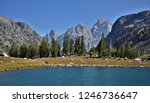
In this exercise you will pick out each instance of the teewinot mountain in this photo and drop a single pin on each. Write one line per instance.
(134, 28)
(18, 32)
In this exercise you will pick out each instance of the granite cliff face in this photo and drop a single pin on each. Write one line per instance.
(134, 28)
(18, 32)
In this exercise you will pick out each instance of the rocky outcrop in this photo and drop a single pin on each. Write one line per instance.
(18, 32)
(134, 28)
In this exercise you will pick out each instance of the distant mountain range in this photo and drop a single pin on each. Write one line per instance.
(91, 36)
(134, 28)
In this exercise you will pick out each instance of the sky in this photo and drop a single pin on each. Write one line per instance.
(59, 15)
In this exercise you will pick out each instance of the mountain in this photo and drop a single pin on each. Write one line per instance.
(101, 26)
(134, 28)
(18, 32)
(52, 34)
(91, 36)
(79, 30)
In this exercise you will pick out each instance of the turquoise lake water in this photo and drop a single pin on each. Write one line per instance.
(77, 76)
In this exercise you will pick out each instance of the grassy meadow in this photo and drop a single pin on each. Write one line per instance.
(10, 63)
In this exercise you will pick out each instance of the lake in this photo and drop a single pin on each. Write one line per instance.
(77, 76)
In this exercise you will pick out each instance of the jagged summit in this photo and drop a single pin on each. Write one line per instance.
(91, 36)
(52, 34)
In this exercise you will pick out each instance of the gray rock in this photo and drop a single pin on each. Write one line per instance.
(18, 32)
(134, 28)
(51, 35)
(91, 36)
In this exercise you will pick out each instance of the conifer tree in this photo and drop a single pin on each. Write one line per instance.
(55, 48)
(77, 45)
(66, 47)
(44, 48)
(83, 49)
(102, 47)
(14, 50)
(23, 51)
(122, 51)
(71, 47)
(33, 51)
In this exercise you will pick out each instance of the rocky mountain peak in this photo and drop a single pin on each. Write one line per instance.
(101, 20)
(52, 34)
(101, 26)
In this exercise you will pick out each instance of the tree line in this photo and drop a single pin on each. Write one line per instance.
(122, 51)
(71, 47)
(46, 50)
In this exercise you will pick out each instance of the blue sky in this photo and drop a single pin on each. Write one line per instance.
(59, 15)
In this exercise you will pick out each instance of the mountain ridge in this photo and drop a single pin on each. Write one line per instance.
(133, 29)
(18, 32)
(91, 35)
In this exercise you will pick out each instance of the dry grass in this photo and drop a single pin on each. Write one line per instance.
(10, 63)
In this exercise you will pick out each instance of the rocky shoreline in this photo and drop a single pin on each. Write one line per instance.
(10, 63)
(71, 66)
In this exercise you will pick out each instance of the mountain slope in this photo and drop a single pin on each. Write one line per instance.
(134, 28)
(18, 32)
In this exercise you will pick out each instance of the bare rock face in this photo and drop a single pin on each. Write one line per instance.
(134, 28)
(79, 30)
(18, 32)
(91, 36)
(51, 35)
(101, 26)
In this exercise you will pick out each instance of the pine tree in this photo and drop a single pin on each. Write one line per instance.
(71, 47)
(33, 51)
(58, 50)
(55, 48)
(83, 49)
(102, 47)
(44, 48)
(23, 51)
(66, 47)
(14, 50)
(77, 45)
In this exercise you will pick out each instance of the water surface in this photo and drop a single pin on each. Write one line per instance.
(77, 76)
